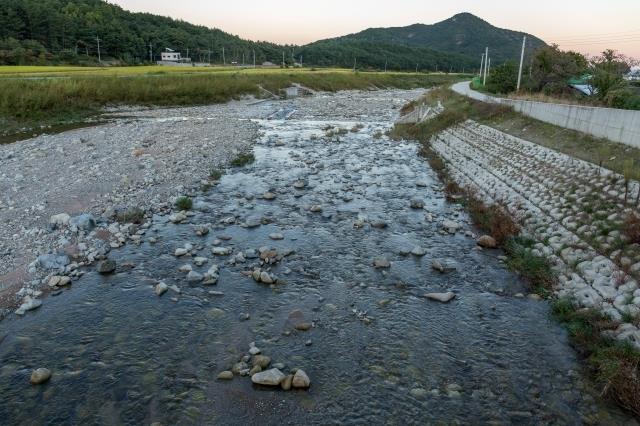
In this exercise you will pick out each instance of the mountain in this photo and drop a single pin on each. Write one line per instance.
(67, 32)
(463, 34)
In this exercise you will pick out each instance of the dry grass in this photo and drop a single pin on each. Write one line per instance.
(492, 219)
(632, 228)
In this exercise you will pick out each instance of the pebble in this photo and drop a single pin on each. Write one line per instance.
(441, 297)
(486, 241)
(381, 263)
(276, 236)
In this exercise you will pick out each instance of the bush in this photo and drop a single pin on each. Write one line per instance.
(243, 159)
(503, 79)
(215, 174)
(130, 215)
(184, 203)
(535, 269)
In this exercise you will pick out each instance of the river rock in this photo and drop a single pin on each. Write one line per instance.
(221, 251)
(262, 360)
(276, 236)
(53, 261)
(417, 203)
(180, 252)
(199, 261)
(161, 288)
(266, 278)
(316, 208)
(287, 382)
(106, 266)
(225, 375)
(437, 265)
(381, 263)
(418, 251)
(272, 377)
(269, 196)
(301, 380)
(450, 226)
(194, 277)
(59, 220)
(441, 297)
(28, 304)
(39, 376)
(83, 222)
(487, 242)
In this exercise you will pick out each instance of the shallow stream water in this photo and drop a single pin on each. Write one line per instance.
(378, 352)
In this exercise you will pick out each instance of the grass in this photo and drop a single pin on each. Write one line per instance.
(631, 228)
(613, 364)
(74, 93)
(535, 269)
(243, 159)
(184, 203)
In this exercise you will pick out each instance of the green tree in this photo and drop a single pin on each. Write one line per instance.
(503, 79)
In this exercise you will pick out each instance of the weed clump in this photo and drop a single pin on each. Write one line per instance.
(632, 228)
(184, 203)
(130, 215)
(536, 269)
(243, 159)
(614, 364)
(215, 174)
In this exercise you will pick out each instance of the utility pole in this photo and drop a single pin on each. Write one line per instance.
(355, 62)
(481, 65)
(224, 60)
(150, 53)
(243, 59)
(416, 68)
(489, 66)
(524, 42)
(187, 52)
(385, 64)
(99, 57)
(486, 61)
(254, 58)
(300, 61)
(283, 64)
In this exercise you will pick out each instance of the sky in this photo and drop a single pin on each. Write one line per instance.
(588, 26)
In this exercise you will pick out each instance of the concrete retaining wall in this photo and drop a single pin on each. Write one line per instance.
(617, 125)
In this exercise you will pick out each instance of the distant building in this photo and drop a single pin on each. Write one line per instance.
(171, 56)
(634, 75)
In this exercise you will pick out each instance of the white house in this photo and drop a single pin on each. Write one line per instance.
(171, 56)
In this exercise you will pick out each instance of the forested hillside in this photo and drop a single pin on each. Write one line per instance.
(67, 31)
(463, 34)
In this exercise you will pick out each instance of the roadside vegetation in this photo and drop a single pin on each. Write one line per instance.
(50, 101)
(553, 71)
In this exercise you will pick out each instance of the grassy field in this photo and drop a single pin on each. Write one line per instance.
(35, 96)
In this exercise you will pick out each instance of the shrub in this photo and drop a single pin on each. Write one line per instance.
(535, 269)
(130, 215)
(184, 203)
(243, 159)
(215, 174)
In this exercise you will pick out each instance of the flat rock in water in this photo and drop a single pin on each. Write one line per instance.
(225, 375)
(161, 288)
(441, 297)
(271, 377)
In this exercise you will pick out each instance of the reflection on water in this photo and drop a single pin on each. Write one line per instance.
(120, 354)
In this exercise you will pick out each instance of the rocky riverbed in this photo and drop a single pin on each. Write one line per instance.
(328, 282)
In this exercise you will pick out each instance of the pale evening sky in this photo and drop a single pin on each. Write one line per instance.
(588, 26)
